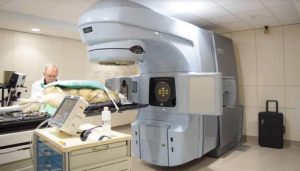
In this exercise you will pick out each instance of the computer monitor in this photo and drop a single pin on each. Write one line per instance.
(69, 115)
(17, 80)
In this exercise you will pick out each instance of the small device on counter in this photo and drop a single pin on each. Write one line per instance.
(69, 115)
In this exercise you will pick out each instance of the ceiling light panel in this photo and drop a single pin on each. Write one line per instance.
(35, 29)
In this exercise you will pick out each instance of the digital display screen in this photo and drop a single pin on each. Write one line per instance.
(64, 110)
(162, 91)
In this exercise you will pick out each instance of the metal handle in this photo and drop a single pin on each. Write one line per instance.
(48, 165)
(102, 147)
(47, 152)
(267, 105)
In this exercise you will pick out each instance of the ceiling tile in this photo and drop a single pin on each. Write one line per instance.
(288, 18)
(211, 12)
(3, 2)
(24, 23)
(256, 14)
(244, 6)
(73, 20)
(172, 7)
(60, 12)
(297, 5)
(157, 6)
(236, 26)
(276, 3)
(228, 2)
(219, 30)
(261, 22)
(224, 19)
(193, 19)
(28, 6)
(284, 9)
(219, 15)
(84, 4)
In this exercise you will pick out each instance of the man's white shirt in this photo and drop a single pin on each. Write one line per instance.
(37, 89)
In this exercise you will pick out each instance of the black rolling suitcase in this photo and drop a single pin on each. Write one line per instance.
(270, 127)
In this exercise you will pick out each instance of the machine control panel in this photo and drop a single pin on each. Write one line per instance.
(162, 92)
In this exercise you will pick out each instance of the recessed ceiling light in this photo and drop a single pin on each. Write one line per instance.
(35, 29)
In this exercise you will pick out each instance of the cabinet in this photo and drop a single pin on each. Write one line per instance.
(56, 151)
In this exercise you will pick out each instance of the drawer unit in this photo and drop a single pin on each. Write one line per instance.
(121, 164)
(48, 158)
(98, 154)
(56, 151)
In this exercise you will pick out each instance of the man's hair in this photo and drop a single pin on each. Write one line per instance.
(49, 66)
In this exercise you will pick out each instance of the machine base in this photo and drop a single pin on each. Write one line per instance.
(219, 151)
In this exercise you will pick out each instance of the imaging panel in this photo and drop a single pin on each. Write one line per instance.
(162, 92)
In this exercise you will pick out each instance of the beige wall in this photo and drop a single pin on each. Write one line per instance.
(269, 68)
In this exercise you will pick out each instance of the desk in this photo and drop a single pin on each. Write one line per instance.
(15, 136)
(55, 150)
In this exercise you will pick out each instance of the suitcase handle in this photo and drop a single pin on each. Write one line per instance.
(267, 105)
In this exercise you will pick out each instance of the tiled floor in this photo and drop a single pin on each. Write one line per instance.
(246, 157)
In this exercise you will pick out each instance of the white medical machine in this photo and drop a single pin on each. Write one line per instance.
(69, 115)
(187, 76)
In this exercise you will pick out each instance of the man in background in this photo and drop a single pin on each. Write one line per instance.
(50, 75)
